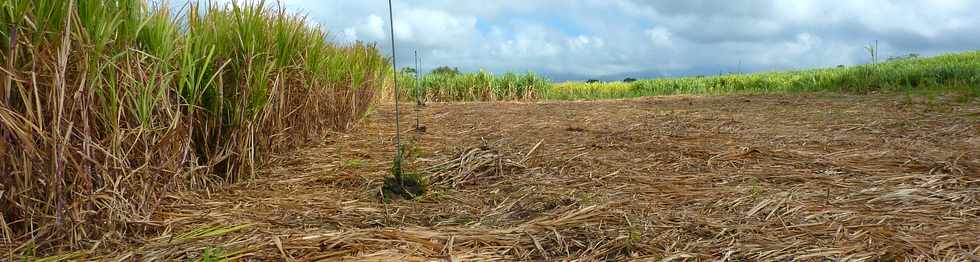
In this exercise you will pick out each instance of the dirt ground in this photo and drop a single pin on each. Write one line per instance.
(744, 178)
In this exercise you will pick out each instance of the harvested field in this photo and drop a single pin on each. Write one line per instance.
(802, 177)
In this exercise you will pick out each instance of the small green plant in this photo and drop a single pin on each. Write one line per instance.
(634, 238)
(411, 150)
(401, 184)
(410, 186)
(585, 198)
(213, 254)
(354, 163)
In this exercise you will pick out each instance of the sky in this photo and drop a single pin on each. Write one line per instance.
(614, 39)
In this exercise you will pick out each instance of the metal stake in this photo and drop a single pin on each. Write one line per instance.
(394, 70)
(418, 90)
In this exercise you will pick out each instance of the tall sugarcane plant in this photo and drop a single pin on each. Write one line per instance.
(107, 104)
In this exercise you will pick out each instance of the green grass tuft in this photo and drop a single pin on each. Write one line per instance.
(401, 184)
(410, 186)
(212, 254)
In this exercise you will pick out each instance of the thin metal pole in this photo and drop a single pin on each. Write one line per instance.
(394, 71)
(421, 87)
(876, 52)
(419, 76)
(418, 91)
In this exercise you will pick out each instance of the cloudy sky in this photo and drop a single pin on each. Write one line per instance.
(612, 39)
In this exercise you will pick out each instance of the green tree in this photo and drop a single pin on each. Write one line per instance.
(446, 70)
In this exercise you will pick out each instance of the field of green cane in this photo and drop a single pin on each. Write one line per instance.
(958, 73)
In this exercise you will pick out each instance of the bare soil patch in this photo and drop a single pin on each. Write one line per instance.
(877, 177)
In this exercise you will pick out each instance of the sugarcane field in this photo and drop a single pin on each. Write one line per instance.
(624, 130)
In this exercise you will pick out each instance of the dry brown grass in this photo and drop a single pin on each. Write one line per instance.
(680, 178)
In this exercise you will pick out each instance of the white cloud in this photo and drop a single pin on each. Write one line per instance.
(404, 31)
(591, 38)
(350, 35)
(374, 27)
(660, 36)
(585, 42)
(434, 27)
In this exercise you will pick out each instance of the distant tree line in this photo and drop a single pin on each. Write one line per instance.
(446, 70)
(904, 57)
(596, 81)
(442, 70)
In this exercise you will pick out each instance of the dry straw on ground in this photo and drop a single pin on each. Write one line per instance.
(768, 178)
